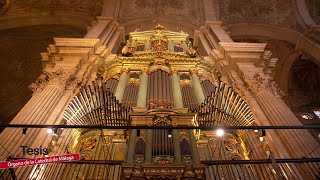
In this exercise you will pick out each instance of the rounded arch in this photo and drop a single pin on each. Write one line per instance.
(302, 12)
(262, 30)
(284, 73)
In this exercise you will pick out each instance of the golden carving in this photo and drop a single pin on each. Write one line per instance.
(174, 70)
(185, 82)
(125, 70)
(144, 70)
(133, 81)
(88, 143)
(194, 71)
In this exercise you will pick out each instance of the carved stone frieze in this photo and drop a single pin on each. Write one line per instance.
(260, 82)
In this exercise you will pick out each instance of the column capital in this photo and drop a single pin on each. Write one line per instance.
(194, 71)
(174, 71)
(260, 82)
(125, 70)
(62, 78)
(144, 70)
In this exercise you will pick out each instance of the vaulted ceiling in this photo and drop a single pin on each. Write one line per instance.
(27, 27)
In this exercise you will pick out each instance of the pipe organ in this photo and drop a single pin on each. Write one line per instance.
(158, 86)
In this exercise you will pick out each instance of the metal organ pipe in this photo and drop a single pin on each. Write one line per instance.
(160, 90)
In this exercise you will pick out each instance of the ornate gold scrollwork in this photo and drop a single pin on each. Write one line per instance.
(88, 143)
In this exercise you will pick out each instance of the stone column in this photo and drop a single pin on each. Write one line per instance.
(143, 87)
(299, 143)
(122, 84)
(35, 111)
(273, 139)
(197, 86)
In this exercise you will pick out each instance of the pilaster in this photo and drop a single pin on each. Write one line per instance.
(264, 98)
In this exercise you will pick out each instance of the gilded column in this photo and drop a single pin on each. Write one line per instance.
(177, 96)
(132, 146)
(200, 99)
(143, 87)
(178, 103)
(122, 84)
(197, 86)
(194, 147)
(148, 153)
(142, 99)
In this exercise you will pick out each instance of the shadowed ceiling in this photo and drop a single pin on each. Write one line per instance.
(20, 62)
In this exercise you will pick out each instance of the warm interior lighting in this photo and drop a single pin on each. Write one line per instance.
(49, 130)
(256, 130)
(220, 132)
(169, 133)
(261, 138)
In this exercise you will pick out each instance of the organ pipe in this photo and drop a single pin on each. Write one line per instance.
(159, 90)
(96, 105)
(224, 107)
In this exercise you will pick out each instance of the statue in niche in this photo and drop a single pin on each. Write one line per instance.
(134, 42)
(192, 51)
(127, 50)
(170, 45)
